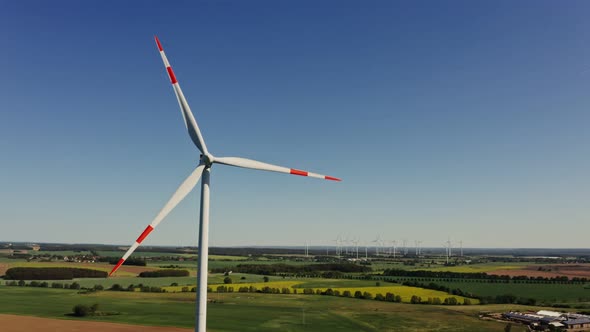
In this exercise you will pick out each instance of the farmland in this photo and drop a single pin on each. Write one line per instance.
(292, 286)
(126, 270)
(351, 286)
(545, 293)
(380, 266)
(263, 312)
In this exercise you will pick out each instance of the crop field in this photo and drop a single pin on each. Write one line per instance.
(16, 323)
(143, 254)
(465, 268)
(405, 292)
(545, 293)
(162, 281)
(476, 268)
(227, 258)
(549, 270)
(60, 252)
(222, 262)
(261, 312)
(217, 278)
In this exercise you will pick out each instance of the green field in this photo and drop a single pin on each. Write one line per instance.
(379, 266)
(60, 253)
(405, 292)
(545, 293)
(164, 281)
(252, 312)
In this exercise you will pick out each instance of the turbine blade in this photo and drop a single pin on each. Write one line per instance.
(185, 187)
(187, 115)
(253, 164)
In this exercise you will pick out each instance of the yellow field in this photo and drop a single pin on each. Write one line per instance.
(406, 292)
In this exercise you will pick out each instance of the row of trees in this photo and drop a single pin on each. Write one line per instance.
(272, 269)
(164, 273)
(389, 297)
(51, 273)
(502, 298)
(129, 261)
(434, 286)
(142, 288)
(45, 284)
(458, 276)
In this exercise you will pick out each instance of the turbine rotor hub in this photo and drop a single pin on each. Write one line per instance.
(207, 159)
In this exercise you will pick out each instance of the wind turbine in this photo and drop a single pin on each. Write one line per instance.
(356, 244)
(445, 245)
(378, 243)
(450, 247)
(338, 246)
(203, 169)
(394, 245)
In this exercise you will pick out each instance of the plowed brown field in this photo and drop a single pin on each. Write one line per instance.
(13, 323)
(549, 271)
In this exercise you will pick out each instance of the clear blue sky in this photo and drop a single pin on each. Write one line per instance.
(461, 119)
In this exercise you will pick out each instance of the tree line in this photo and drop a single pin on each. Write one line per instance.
(271, 269)
(501, 299)
(388, 297)
(129, 261)
(479, 276)
(51, 273)
(164, 273)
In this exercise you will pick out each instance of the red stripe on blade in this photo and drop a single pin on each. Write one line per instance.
(145, 233)
(332, 178)
(121, 261)
(171, 74)
(298, 172)
(159, 45)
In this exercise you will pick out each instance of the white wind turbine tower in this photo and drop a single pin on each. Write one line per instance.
(378, 243)
(461, 246)
(347, 245)
(337, 246)
(356, 245)
(450, 247)
(394, 245)
(445, 245)
(340, 251)
(418, 248)
(203, 169)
